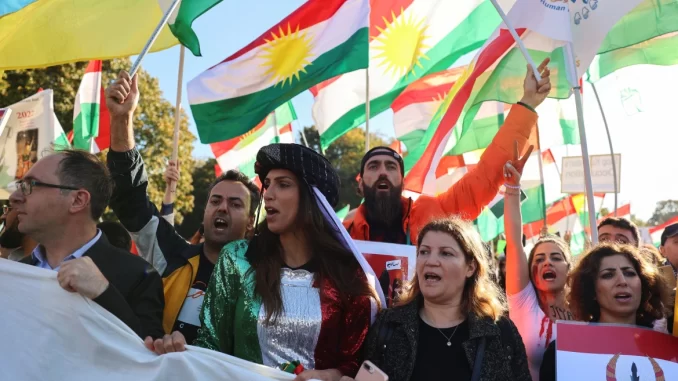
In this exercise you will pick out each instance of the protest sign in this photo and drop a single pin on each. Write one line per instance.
(614, 352)
(31, 130)
(602, 174)
(392, 264)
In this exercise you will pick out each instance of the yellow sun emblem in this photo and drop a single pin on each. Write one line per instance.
(287, 54)
(402, 44)
(436, 102)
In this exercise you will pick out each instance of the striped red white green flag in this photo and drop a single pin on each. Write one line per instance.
(408, 40)
(646, 36)
(320, 40)
(91, 121)
(240, 152)
(623, 211)
(656, 231)
(498, 70)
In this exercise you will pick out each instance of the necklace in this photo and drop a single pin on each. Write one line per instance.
(449, 339)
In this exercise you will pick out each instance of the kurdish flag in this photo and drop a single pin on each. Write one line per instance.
(414, 108)
(498, 70)
(240, 152)
(408, 40)
(318, 41)
(647, 36)
(182, 18)
(53, 32)
(91, 121)
(656, 231)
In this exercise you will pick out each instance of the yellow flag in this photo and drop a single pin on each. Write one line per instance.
(54, 32)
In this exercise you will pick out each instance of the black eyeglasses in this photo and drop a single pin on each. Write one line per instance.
(27, 186)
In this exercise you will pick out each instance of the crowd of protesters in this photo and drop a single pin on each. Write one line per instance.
(290, 292)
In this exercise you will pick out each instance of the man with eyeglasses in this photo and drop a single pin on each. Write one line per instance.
(58, 203)
(14, 245)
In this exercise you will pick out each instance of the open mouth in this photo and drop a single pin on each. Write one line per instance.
(383, 185)
(272, 211)
(220, 224)
(549, 275)
(623, 296)
(431, 277)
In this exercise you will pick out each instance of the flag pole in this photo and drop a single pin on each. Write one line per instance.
(177, 114)
(367, 109)
(584, 146)
(517, 39)
(609, 141)
(541, 176)
(154, 36)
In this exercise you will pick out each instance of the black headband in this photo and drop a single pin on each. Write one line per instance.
(385, 151)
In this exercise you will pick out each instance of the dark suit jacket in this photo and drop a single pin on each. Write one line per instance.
(135, 293)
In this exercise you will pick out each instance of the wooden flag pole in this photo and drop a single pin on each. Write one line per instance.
(177, 114)
(367, 109)
(154, 36)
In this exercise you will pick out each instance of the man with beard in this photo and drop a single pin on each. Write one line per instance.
(14, 245)
(386, 216)
(186, 269)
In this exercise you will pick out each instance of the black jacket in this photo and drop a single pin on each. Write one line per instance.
(504, 360)
(134, 294)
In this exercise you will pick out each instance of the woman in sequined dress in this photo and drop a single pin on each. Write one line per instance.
(295, 292)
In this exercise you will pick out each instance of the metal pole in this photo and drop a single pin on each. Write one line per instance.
(154, 36)
(585, 154)
(609, 140)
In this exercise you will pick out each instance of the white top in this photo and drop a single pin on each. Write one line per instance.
(536, 329)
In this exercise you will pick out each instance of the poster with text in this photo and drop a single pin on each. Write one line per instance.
(393, 265)
(614, 352)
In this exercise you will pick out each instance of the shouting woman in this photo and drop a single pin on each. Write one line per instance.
(535, 285)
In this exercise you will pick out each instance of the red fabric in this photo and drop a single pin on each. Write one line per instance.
(343, 330)
(134, 249)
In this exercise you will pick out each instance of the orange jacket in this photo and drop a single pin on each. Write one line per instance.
(468, 196)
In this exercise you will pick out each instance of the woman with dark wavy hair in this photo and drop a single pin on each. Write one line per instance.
(612, 284)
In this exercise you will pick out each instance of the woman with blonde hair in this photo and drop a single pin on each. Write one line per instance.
(535, 284)
(451, 318)
(612, 284)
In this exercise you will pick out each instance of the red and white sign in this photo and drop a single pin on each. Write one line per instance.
(393, 265)
(614, 352)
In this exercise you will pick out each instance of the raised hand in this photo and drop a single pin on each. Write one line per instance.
(534, 92)
(514, 168)
(122, 96)
(172, 172)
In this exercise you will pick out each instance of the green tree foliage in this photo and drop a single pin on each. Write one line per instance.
(664, 211)
(345, 155)
(202, 177)
(153, 124)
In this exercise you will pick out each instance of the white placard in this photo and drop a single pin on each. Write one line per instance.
(602, 174)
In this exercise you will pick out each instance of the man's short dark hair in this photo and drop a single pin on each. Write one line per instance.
(622, 223)
(116, 234)
(84, 170)
(237, 176)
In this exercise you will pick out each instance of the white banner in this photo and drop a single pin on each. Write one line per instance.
(31, 130)
(51, 334)
(602, 174)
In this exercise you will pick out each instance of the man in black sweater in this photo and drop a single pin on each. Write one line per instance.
(58, 203)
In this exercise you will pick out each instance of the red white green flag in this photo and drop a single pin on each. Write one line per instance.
(498, 70)
(240, 152)
(91, 122)
(320, 40)
(408, 40)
